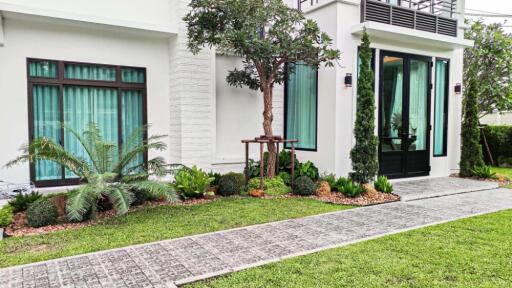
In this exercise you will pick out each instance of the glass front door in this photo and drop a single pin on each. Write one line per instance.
(404, 123)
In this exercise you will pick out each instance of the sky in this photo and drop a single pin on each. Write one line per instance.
(494, 6)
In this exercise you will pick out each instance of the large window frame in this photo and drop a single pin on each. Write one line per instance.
(446, 108)
(296, 145)
(61, 81)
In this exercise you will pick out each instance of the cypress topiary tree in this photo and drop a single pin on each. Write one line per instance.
(364, 154)
(471, 150)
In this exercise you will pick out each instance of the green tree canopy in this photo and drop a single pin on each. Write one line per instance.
(267, 35)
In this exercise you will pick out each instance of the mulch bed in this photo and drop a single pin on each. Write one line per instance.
(501, 180)
(364, 200)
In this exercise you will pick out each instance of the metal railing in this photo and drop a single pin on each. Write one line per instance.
(434, 16)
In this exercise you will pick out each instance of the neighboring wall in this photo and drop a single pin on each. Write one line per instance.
(504, 118)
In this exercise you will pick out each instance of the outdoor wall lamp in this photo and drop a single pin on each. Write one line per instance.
(458, 88)
(348, 80)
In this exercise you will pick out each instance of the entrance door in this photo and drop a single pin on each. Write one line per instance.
(404, 115)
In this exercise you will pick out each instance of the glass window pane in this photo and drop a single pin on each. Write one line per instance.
(46, 124)
(89, 72)
(132, 123)
(42, 68)
(84, 105)
(440, 110)
(301, 106)
(418, 105)
(392, 95)
(132, 75)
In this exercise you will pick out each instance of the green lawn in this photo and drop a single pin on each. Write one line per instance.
(158, 223)
(507, 172)
(474, 252)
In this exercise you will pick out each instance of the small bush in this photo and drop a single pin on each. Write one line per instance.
(231, 184)
(192, 183)
(286, 177)
(6, 216)
(43, 212)
(285, 161)
(383, 185)
(352, 190)
(483, 172)
(272, 187)
(216, 178)
(308, 169)
(20, 202)
(142, 196)
(339, 184)
(329, 178)
(304, 186)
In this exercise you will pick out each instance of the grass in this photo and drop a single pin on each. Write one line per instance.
(157, 223)
(474, 252)
(507, 172)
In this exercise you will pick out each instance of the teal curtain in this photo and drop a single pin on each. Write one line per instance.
(440, 108)
(46, 124)
(132, 120)
(42, 68)
(89, 72)
(391, 108)
(83, 105)
(132, 75)
(301, 106)
(418, 104)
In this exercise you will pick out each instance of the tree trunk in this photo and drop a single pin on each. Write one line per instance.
(267, 128)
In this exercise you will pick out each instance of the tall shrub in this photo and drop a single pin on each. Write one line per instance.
(471, 150)
(364, 153)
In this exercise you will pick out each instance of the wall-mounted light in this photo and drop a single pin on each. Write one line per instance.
(348, 80)
(458, 88)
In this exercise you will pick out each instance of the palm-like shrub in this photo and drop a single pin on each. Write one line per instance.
(107, 171)
(192, 183)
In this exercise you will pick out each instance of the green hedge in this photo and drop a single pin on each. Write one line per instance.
(499, 139)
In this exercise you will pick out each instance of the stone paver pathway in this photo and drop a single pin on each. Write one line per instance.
(178, 261)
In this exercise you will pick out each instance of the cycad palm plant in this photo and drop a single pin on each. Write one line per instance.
(106, 170)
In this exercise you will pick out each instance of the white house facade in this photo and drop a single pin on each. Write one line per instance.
(124, 64)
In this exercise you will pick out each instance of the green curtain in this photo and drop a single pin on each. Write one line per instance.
(45, 69)
(89, 72)
(132, 120)
(439, 111)
(418, 104)
(302, 106)
(46, 124)
(132, 75)
(83, 105)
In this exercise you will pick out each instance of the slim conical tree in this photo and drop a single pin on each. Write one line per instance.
(471, 150)
(364, 154)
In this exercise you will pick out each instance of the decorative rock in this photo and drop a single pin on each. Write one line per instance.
(323, 190)
(370, 190)
(257, 193)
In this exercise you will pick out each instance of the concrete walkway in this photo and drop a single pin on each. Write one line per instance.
(174, 262)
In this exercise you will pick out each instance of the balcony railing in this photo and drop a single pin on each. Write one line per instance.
(426, 15)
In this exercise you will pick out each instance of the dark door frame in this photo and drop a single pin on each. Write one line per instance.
(406, 154)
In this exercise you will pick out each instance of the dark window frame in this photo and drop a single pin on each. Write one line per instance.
(446, 108)
(60, 81)
(285, 108)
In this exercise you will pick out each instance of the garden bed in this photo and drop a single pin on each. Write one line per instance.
(363, 200)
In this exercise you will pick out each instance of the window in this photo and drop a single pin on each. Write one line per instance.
(301, 106)
(76, 94)
(441, 107)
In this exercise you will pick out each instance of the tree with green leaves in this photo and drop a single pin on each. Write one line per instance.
(471, 150)
(364, 154)
(267, 35)
(491, 58)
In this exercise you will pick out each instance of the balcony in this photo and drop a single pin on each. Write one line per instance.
(435, 16)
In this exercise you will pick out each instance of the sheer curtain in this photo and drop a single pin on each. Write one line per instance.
(440, 102)
(418, 104)
(302, 106)
(46, 124)
(131, 121)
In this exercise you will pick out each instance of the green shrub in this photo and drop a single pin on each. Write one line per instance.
(231, 184)
(20, 202)
(339, 184)
(192, 183)
(216, 177)
(304, 186)
(308, 169)
(272, 187)
(287, 177)
(329, 178)
(285, 161)
(43, 212)
(383, 185)
(498, 138)
(6, 216)
(483, 172)
(504, 161)
(352, 190)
